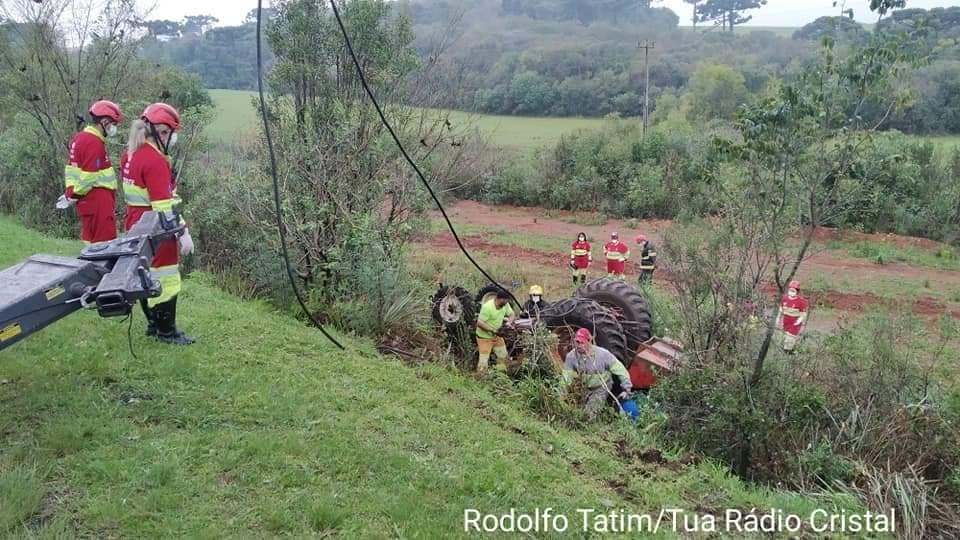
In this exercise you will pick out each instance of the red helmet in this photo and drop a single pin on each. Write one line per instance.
(161, 113)
(641, 238)
(583, 336)
(794, 285)
(107, 109)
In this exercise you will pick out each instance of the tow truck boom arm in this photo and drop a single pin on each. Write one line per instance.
(110, 277)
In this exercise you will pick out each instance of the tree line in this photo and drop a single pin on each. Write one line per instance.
(580, 58)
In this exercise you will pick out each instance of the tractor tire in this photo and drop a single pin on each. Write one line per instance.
(566, 316)
(456, 313)
(490, 289)
(627, 305)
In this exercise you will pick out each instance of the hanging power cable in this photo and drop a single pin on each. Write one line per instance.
(396, 140)
(276, 187)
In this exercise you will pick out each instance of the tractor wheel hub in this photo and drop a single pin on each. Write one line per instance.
(451, 309)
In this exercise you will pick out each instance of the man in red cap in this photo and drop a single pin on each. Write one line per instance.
(596, 366)
(793, 316)
(617, 253)
(89, 178)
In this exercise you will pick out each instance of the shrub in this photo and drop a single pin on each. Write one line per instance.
(822, 463)
(867, 400)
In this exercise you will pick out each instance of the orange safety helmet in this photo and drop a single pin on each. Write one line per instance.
(641, 238)
(161, 113)
(106, 109)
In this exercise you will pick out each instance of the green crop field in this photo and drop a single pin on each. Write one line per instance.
(235, 113)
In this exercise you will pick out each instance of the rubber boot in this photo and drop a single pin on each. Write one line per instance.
(165, 315)
(148, 313)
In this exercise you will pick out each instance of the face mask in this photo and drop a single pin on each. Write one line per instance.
(582, 239)
(536, 299)
(173, 140)
(792, 293)
(112, 130)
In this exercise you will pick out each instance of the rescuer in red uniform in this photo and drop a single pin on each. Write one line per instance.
(581, 257)
(617, 254)
(793, 316)
(89, 178)
(148, 184)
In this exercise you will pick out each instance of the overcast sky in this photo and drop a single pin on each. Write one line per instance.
(775, 13)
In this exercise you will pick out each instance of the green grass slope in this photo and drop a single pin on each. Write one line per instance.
(234, 114)
(263, 429)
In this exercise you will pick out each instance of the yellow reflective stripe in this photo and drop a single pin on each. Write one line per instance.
(83, 181)
(135, 195)
(95, 132)
(647, 267)
(164, 271)
(580, 253)
(616, 256)
(71, 176)
(170, 283)
(164, 205)
(792, 312)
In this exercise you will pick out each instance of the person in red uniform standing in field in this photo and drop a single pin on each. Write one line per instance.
(793, 316)
(617, 254)
(148, 184)
(89, 178)
(581, 257)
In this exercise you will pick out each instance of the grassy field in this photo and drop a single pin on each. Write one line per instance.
(945, 142)
(235, 113)
(264, 429)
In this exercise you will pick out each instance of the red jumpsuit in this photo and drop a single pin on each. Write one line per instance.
(617, 254)
(581, 255)
(89, 177)
(792, 309)
(148, 184)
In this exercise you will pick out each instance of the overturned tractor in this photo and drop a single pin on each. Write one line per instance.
(616, 313)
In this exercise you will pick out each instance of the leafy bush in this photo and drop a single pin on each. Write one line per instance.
(867, 401)
(822, 463)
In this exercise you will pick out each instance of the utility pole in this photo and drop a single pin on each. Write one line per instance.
(646, 46)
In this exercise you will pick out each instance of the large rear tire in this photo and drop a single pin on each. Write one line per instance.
(626, 304)
(487, 293)
(566, 316)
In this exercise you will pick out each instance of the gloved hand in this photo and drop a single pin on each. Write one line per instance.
(573, 265)
(624, 396)
(186, 243)
(65, 202)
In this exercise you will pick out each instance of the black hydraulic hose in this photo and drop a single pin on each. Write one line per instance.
(276, 188)
(396, 140)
